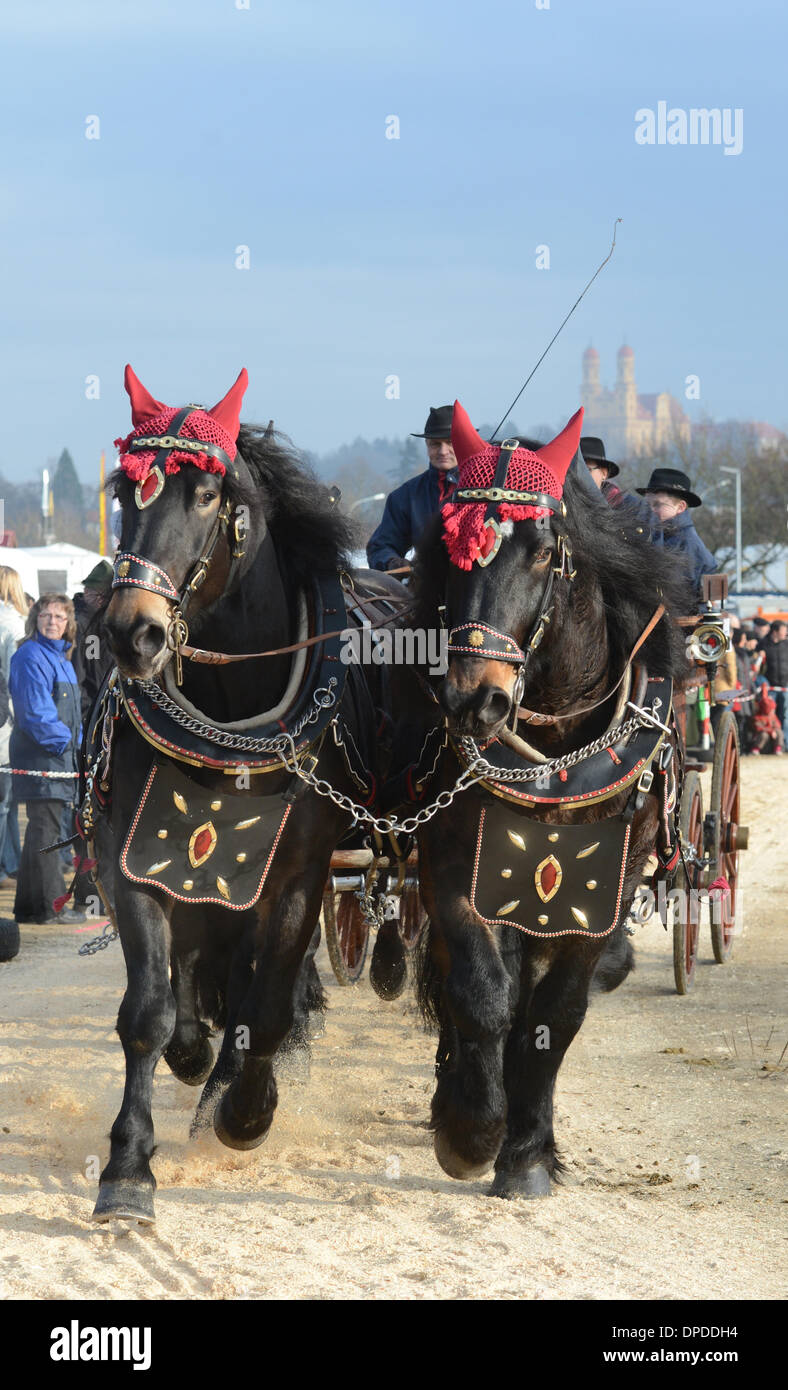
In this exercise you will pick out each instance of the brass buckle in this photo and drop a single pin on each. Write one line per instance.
(177, 635)
(239, 531)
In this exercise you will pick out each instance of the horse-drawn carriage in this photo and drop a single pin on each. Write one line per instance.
(221, 780)
(711, 843)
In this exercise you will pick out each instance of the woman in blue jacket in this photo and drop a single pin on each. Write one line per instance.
(45, 738)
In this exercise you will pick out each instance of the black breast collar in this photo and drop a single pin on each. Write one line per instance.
(164, 724)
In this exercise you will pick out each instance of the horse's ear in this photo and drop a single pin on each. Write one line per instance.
(558, 454)
(143, 405)
(227, 411)
(464, 438)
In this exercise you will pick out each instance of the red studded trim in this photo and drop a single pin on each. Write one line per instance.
(600, 794)
(183, 755)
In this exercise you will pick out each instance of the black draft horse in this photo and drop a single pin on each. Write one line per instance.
(488, 987)
(240, 970)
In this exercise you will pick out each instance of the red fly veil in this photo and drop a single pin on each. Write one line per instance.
(219, 426)
(463, 522)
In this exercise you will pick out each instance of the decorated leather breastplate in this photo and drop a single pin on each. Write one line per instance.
(199, 845)
(593, 778)
(549, 880)
(171, 729)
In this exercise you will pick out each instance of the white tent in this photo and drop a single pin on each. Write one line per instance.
(60, 567)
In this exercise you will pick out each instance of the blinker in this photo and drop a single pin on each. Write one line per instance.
(149, 488)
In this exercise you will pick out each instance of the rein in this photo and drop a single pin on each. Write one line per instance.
(530, 716)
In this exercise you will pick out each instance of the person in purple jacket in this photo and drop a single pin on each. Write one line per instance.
(45, 738)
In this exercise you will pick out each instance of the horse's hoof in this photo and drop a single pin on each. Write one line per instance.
(124, 1201)
(192, 1068)
(455, 1166)
(388, 970)
(236, 1141)
(535, 1183)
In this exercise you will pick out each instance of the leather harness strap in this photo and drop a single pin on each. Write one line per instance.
(530, 716)
(207, 658)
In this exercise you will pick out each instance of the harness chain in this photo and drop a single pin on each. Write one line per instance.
(323, 698)
(479, 770)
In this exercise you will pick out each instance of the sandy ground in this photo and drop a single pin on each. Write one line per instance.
(670, 1112)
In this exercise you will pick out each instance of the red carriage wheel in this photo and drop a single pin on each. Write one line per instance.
(726, 836)
(412, 916)
(347, 934)
(686, 923)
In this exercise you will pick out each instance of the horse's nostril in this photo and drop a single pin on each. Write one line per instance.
(481, 708)
(148, 639)
(494, 708)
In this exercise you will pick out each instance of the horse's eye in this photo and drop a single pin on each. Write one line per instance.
(542, 555)
(206, 497)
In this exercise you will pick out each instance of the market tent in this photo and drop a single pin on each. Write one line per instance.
(60, 567)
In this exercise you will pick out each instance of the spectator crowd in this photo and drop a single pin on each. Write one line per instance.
(50, 673)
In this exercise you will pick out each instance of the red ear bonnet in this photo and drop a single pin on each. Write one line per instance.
(543, 471)
(151, 417)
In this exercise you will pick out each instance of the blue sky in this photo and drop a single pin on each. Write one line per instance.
(265, 127)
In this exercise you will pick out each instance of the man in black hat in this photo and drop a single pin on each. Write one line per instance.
(603, 470)
(409, 507)
(669, 495)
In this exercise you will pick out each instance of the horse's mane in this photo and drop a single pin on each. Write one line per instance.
(310, 533)
(633, 574)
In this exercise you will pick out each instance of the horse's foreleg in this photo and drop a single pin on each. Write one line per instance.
(469, 1105)
(230, 1056)
(535, 1050)
(245, 1112)
(189, 1054)
(145, 1023)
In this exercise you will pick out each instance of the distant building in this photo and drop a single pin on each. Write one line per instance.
(629, 423)
(756, 433)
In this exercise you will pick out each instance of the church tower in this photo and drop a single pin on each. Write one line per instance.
(626, 389)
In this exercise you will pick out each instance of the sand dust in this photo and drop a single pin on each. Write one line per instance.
(670, 1113)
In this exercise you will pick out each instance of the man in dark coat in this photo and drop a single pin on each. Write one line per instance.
(409, 507)
(670, 496)
(633, 510)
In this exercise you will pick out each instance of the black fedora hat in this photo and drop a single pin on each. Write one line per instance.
(438, 424)
(593, 451)
(674, 481)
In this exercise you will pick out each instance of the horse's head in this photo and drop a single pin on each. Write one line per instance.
(178, 537)
(507, 544)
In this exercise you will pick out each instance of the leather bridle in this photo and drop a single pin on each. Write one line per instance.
(134, 571)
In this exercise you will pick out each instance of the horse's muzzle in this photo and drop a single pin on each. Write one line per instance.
(479, 710)
(138, 639)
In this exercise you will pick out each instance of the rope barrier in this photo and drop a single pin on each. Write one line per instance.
(32, 772)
